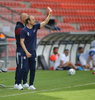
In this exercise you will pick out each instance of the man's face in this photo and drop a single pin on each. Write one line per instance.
(67, 52)
(24, 18)
(81, 50)
(32, 20)
(56, 51)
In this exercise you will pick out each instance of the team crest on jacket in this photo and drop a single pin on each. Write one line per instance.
(34, 30)
(24, 57)
(28, 33)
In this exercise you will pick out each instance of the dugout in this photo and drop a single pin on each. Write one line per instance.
(64, 40)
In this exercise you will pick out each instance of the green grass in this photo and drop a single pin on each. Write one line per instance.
(51, 85)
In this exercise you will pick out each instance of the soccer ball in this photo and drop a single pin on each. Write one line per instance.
(71, 71)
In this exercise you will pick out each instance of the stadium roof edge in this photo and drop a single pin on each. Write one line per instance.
(67, 37)
(82, 33)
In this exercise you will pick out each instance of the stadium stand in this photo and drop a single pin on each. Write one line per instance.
(70, 16)
(63, 5)
(72, 11)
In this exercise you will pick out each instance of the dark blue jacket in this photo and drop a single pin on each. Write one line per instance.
(18, 28)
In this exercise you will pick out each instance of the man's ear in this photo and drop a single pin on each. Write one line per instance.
(29, 21)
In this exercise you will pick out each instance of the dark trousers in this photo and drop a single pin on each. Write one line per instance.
(22, 67)
(32, 66)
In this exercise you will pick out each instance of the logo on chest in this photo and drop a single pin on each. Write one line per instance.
(34, 30)
(28, 33)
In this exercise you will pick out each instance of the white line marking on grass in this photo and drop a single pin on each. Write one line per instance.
(47, 90)
(11, 88)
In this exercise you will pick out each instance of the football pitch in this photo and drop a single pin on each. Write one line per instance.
(51, 85)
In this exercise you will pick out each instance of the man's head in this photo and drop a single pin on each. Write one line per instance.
(66, 51)
(80, 50)
(23, 18)
(55, 50)
(30, 20)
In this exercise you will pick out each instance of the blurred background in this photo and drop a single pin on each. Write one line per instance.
(76, 16)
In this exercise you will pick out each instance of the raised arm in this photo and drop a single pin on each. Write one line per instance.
(47, 19)
(24, 47)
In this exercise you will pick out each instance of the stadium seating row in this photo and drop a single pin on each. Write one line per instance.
(45, 5)
(89, 27)
(78, 19)
(28, 11)
(4, 11)
(64, 25)
(78, 6)
(12, 3)
(32, 11)
(67, 1)
(17, 18)
(62, 5)
(61, 12)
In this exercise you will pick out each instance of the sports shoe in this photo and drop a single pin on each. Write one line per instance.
(15, 86)
(25, 85)
(32, 87)
(20, 87)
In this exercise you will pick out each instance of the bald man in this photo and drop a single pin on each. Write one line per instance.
(21, 71)
(28, 37)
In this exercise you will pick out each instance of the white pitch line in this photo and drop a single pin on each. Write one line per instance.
(10, 88)
(48, 90)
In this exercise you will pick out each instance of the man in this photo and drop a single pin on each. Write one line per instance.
(55, 52)
(54, 56)
(19, 51)
(28, 42)
(62, 62)
(80, 51)
(86, 58)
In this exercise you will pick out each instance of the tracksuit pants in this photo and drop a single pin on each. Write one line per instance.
(22, 69)
(31, 62)
(32, 66)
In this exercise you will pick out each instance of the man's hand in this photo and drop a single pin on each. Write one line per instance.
(87, 66)
(28, 55)
(47, 19)
(50, 10)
